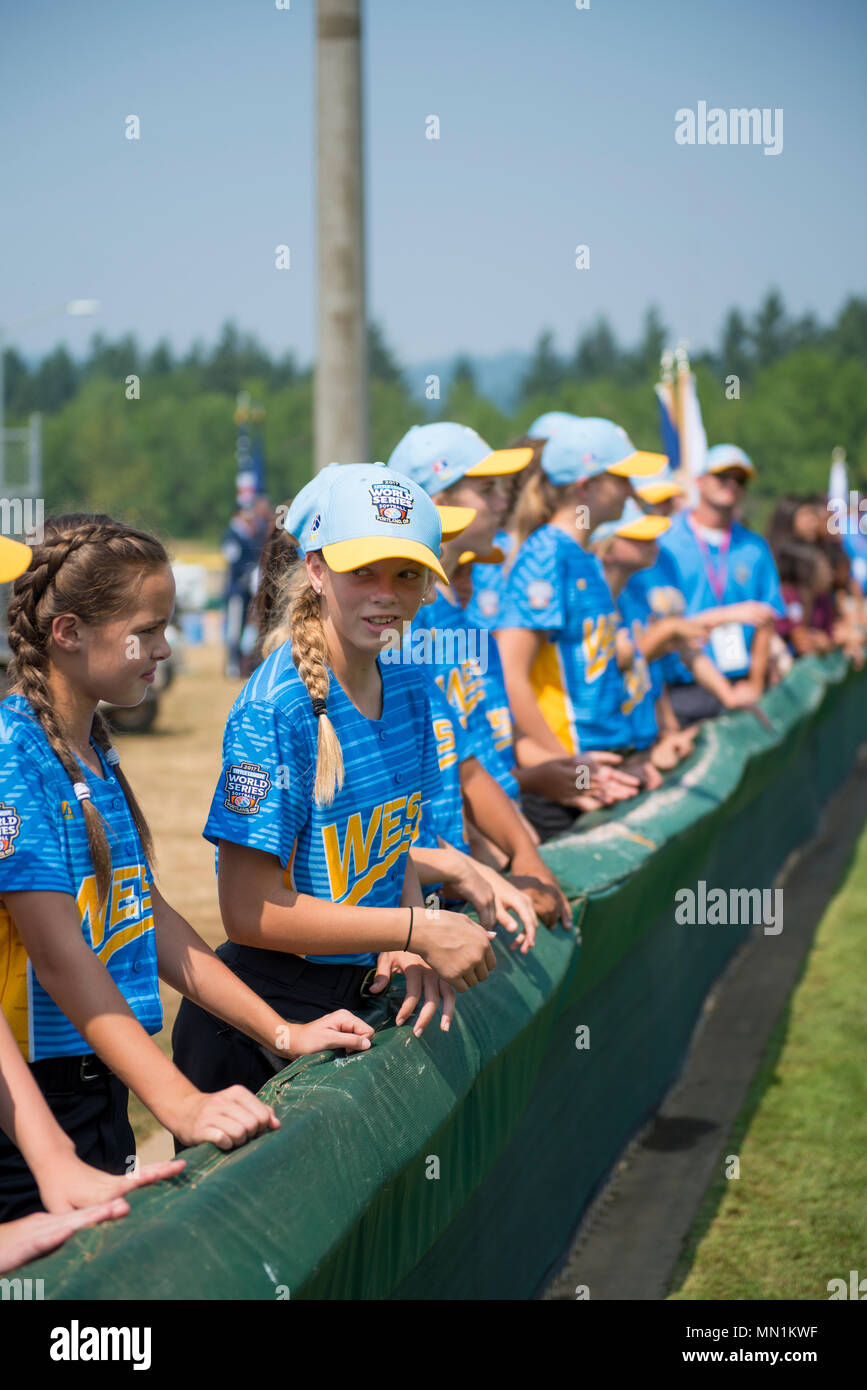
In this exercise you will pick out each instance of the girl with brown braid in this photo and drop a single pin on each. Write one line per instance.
(328, 758)
(84, 932)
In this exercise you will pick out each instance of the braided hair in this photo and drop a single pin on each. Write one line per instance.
(91, 566)
(290, 608)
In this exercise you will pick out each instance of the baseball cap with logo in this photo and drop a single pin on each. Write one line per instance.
(633, 524)
(438, 455)
(453, 520)
(14, 558)
(358, 513)
(586, 446)
(723, 456)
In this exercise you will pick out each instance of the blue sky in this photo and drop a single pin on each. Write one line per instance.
(557, 128)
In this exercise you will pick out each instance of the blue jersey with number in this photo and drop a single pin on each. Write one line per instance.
(444, 815)
(640, 687)
(461, 653)
(44, 848)
(747, 571)
(355, 850)
(557, 588)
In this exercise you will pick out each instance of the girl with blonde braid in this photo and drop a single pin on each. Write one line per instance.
(84, 932)
(328, 759)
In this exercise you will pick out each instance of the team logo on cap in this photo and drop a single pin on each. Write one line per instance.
(439, 465)
(246, 785)
(315, 523)
(10, 824)
(393, 502)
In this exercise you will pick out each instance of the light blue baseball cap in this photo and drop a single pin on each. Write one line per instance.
(586, 446)
(723, 456)
(358, 513)
(440, 454)
(658, 488)
(633, 523)
(549, 424)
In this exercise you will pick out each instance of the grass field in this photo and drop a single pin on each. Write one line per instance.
(173, 770)
(796, 1216)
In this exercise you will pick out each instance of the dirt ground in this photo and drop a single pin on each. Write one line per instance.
(173, 770)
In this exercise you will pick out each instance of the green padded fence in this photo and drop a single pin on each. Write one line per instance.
(343, 1201)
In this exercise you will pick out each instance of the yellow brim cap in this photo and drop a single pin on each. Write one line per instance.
(15, 558)
(493, 557)
(499, 462)
(454, 520)
(660, 492)
(343, 556)
(644, 528)
(747, 470)
(638, 465)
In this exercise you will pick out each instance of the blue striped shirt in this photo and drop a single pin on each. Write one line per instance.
(353, 851)
(44, 848)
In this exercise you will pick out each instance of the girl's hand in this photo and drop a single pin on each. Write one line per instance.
(509, 899)
(67, 1184)
(42, 1231)
(468, 882)
(531, 874)
(420, 979)
(226, 1118)
(455, 947)
(329, 1033)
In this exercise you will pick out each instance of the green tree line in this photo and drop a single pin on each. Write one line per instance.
(167, 459)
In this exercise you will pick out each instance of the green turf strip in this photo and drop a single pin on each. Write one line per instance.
(797, 1215)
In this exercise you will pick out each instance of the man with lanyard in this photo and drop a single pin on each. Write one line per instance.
(721, 565)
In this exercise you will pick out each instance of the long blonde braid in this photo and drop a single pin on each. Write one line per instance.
(298, 616)
(90, 566)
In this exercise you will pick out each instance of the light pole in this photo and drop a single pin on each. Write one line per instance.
(76, 308)
(340, 379)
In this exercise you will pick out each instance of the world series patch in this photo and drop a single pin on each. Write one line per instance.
(10, 824)
(247, 784)
(393, 502)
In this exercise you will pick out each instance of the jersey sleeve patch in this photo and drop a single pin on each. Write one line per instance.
(10, 824)
(246, 785)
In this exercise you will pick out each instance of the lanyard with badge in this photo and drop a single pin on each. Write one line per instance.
(728, 642)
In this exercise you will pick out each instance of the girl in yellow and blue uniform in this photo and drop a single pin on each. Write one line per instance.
(85, 934)
(328, 761)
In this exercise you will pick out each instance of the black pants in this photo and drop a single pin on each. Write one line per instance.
(692, 702)
(547, 818)
(90, 1104)
(213, 1054)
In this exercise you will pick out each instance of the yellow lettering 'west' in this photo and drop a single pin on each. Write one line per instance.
(392, 826)
(128, 897)
(356, 846)
(445, 737)
(598, 644)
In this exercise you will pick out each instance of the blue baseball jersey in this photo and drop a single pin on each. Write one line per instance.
(44, 848)
(461, 654)
(489, 582)
(557, 588)
(353, 851)
(746, 571)
(444, 816)
(655, 588)
(855, 546)
(641, 684)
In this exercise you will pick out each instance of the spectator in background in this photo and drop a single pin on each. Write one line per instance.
(724, 568)
(242, 548)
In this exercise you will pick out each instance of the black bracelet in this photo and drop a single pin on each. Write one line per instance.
(409, 938)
